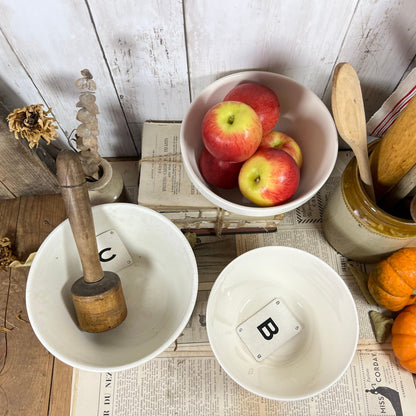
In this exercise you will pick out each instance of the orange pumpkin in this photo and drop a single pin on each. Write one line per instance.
(393, 280)
(404, 338)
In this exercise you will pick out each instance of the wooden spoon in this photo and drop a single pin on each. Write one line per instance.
(349, 116)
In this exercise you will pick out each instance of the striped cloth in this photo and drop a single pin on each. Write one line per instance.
(380, 122)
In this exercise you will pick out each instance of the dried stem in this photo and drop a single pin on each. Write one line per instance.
(87, 131)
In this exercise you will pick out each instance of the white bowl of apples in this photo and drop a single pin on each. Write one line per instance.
(258, 144)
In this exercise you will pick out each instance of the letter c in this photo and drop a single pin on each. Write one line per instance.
(102, 259)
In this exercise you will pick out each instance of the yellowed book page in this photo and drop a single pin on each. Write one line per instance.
(163, 180)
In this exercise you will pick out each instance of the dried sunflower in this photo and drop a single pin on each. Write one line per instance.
(33, 124)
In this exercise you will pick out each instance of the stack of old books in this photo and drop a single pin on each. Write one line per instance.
(165, 187)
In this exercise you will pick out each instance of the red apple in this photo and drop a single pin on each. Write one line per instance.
(282, 141)
(270, 177)
(217, 172)
(231, 131)
(262, 99)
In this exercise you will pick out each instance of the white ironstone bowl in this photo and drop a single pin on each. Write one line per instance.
(311, 361)
(303, 116)
(160, 288)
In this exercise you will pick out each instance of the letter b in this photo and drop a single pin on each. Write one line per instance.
(268, 329)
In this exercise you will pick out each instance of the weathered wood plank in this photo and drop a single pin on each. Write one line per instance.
(27, 371)
(66, 43)
(16, 88)
(37, 218)
(4, 192)
(146, 52)
(26, 376)
(300, 39)
(8, 220)
(380, 44)
(60, 400)
(139, 52)
(9, 210)
(21, 170)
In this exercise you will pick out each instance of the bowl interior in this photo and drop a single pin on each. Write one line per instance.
(311, 361)
(160, 288)
(303, 116)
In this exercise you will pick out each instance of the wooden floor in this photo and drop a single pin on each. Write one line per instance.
(32, 381)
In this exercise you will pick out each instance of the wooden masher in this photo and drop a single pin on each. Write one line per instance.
(97, 296)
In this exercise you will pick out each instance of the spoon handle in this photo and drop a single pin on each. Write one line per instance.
(365, 173)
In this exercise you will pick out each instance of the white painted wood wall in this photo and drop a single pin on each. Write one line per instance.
(150, 58)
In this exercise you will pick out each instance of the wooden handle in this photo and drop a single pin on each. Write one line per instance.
(78, 208)
(349, 116)
(365, 173)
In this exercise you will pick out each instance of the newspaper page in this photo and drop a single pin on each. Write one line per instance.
(196, 385)
(187, 379)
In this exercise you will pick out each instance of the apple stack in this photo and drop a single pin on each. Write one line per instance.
(242, 150)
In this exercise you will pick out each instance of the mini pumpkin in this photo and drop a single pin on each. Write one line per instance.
(392, 282)
(404, 338)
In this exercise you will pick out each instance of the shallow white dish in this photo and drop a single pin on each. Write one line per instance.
(315, 294)
(303, 116)
(160, 289)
